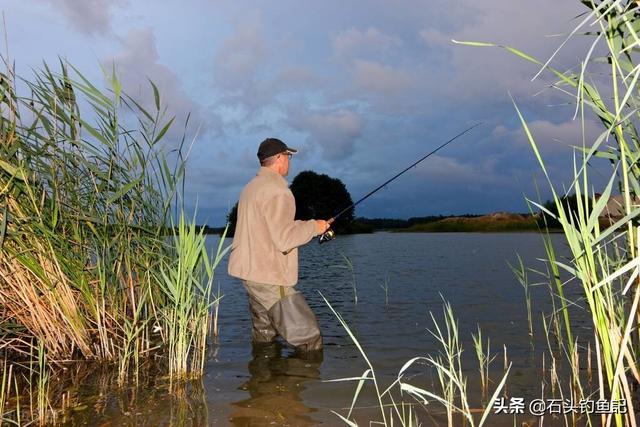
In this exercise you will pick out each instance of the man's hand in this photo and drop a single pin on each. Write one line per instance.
(322, 226)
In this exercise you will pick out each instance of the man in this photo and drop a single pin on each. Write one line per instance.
(264, 252)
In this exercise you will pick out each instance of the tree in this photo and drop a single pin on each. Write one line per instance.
(318, 196)
(570, 203)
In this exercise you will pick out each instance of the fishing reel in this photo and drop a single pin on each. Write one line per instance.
(327, 236)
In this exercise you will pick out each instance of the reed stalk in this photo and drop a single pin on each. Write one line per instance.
(484, 360)
(348, 264)
(604, 247)
(520, 272)
(216, 306)
(448, 367)
(87, 197)
(385, 288)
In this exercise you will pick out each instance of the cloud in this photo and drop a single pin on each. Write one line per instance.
(138, 62)
(475, 74)
(434, 38)
(88, 16)
(381, 79)
(256, 74)
(451, 170)
(372, 42)
(334, 133)
(240, 56)
(552, 138)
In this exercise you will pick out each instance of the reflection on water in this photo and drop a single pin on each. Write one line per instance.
(274, 387)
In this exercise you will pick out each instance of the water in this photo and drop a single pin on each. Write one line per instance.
(274, 386)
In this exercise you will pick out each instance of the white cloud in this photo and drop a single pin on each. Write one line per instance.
(435, 38)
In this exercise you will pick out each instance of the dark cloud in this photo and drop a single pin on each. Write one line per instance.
(88, 16)
(332, 133)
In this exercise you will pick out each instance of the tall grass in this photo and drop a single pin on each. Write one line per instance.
(452, 395)
(348, 265)
(604, 255)
(186, 316)
(88, 195)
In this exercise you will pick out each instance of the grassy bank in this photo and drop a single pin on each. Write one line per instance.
(499, 222)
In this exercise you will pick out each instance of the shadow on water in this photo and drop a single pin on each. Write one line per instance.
(274, 386)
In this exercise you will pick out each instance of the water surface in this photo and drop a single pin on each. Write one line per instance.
(272, 385)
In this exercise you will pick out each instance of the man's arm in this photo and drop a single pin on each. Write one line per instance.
(285, 232)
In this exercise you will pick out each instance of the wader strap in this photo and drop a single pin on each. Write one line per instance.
(281, 292)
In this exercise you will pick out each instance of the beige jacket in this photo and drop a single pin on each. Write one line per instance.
(264, 248)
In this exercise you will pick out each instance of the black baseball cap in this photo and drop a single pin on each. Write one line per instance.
(272, 146)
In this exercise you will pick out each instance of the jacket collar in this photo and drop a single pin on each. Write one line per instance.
(272, 175)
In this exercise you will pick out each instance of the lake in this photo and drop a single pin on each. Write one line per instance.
(272, 385)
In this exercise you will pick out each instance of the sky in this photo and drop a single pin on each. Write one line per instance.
(362, 88)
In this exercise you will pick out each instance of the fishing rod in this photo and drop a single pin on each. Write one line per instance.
(330, 234)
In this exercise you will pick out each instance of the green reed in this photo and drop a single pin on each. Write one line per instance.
(348, 265)
(187, 285)
(605, 253)
(484, 360)
(448, 368)
(520, 271)
(87, 196)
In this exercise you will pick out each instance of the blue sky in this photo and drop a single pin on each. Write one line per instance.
(362, 88)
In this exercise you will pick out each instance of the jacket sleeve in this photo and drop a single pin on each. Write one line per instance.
(285, 232)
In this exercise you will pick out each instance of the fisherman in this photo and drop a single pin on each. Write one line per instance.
(264, 252)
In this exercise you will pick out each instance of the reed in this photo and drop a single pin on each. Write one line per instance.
(215, 331)
(187, 286)
(385, 287)
(520, 271)
(348, 265)
(448, 368)
(484, 360)
(604, 253)
(88, 195)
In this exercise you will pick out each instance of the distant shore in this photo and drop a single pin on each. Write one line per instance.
(494, 222)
